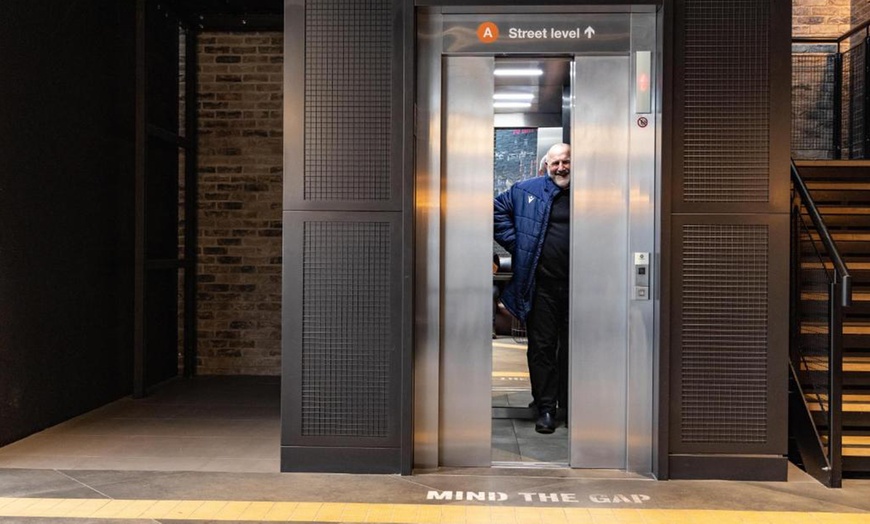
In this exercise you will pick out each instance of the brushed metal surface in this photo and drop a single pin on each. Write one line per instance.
(427, 214)
(466, 344)
(641, 237)
(615, 212)
(600, 264)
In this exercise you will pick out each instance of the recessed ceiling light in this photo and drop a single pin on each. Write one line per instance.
(513, 96)
(518, 72)
(516, 105)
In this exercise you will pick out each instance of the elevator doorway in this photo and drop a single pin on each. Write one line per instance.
(610, 119)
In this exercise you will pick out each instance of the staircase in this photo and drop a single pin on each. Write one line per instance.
(841, 191)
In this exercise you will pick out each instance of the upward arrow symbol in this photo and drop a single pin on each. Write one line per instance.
(589, 32)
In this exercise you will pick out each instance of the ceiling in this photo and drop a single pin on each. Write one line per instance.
(248, 15)
(547, 88)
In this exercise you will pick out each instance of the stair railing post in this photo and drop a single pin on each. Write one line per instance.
(835, 383)
(838, 105)
(796, 281)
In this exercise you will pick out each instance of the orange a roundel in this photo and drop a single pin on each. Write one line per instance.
(487, 32)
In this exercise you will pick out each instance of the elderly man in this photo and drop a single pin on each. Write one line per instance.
(532, 221)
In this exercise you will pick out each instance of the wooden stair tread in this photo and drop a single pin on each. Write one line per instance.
(847, 397)
(857, 296)
(851, 364)
(840, 236)
(853, 445)
(850, 407)
(828, 185)
(828, 209)
(850, 327)
(852, 266)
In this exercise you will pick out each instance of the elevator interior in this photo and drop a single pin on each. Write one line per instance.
(470, 386)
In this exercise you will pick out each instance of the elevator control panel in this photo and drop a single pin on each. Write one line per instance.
(641, 276)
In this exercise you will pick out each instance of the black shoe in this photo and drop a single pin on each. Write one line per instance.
(546, 423)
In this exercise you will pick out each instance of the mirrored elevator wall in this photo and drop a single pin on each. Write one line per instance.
(239, 110)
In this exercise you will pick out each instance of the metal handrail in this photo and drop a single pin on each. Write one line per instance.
(857, 136)
(840, 293)
(845, 278)
(827, 40)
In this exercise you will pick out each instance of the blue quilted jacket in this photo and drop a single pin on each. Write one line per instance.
(520, 221)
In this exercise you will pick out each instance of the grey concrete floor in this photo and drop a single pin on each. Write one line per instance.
(215, 439)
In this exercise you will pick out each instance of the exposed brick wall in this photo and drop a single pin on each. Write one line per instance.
(828, 18)
(860, 11)
(240, 193)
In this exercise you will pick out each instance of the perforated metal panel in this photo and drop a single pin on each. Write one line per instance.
(854, 75)
(726, 105)
(812, 132)
(348, 97)
(724, 333)
(347, 329)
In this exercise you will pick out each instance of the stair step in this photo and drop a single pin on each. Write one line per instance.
(851, 401)
(856, 370)
(825, 197)
(856, 464)
(816, 296)
(853, 446)
(858, 268)
(847, 248)
(844, 221)
(852, 344)
(832, 169)
(836, 185)
(854, 265)
(849, 328)
(843, 237)
(851, 364)
(827, 210)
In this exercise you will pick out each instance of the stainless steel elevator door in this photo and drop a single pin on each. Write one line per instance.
(599, 262)
(613, 218)
(615, 174)
(466, 254)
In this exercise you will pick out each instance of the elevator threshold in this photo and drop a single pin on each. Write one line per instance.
(510, 464)
(529, 469)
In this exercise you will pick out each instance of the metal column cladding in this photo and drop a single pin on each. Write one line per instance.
(345, 246)
(348, 89)
(724, 333)
(727, 106)
(730, 195)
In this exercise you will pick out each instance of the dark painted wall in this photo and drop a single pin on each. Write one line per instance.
(66, 209)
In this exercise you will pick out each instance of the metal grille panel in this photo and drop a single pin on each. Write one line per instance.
(726, 111)
(348, 96)
(813, 91)
(346, 329)
(724, 333)
(854, 74)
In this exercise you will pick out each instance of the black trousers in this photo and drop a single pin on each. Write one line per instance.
(547, 329)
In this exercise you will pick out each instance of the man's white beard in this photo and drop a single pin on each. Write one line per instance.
(553, 178)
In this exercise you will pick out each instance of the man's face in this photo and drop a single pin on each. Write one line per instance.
(559, 166)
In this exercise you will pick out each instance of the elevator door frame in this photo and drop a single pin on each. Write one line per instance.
(430, 367)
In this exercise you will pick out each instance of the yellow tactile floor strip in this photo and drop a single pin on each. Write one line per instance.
(396, 513)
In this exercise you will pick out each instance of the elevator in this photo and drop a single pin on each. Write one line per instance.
(610, 116)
